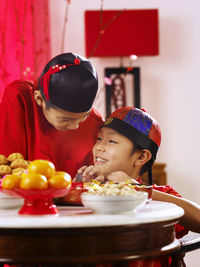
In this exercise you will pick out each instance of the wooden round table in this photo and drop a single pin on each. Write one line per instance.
(74, 237)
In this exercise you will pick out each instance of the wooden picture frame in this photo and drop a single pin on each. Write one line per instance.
(131, 79)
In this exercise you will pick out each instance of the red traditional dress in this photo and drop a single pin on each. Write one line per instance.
(24, 129)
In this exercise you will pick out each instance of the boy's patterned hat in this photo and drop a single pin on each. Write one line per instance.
(70, 82)
(138, 126)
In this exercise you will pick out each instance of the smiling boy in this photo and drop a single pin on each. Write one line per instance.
(128, 141)
(115, 152)
(126, 147)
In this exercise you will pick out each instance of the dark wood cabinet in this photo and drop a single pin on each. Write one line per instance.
(159, 174)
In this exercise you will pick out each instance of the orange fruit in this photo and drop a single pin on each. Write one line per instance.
(11, 181)
(60, 180)
(42, 166)
(33, 181)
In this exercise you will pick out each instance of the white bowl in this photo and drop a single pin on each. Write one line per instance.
(10, 202)
(114, 204)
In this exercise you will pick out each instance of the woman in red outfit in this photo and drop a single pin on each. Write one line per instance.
(53, 119)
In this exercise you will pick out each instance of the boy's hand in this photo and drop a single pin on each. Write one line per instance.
(88, 173)
(92, 172)
(101, 178)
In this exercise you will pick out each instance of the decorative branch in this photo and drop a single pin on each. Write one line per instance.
(103, 27)
(65, 25)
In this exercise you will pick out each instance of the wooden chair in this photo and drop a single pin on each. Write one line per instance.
(189, 243)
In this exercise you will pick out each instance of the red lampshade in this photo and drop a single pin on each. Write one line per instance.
(131, 32)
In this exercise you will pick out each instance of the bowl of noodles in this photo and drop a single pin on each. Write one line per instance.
(113, 198)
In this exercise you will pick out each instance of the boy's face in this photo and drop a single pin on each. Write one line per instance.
(113, 152)
(64, 120)
(60, 119)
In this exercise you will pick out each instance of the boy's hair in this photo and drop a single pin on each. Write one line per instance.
(69, 81)
(141, 128)
(147, 166)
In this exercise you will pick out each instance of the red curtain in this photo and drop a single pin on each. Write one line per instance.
(24, 39)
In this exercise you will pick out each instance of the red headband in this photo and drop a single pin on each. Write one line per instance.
(46, 77)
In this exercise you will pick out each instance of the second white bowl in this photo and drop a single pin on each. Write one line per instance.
(9, 202)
